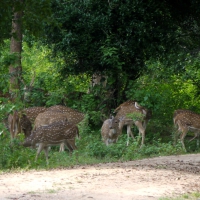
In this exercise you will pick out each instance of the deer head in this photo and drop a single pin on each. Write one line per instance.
(14, 124)
(47, 118)
(111, 129)
(21, 121)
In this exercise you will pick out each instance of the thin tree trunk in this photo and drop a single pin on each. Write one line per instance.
(15, 69)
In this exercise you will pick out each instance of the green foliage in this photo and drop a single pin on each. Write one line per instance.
(90, 150)
(190, 196)
(111, 37)
(35, 14)
(135, 116)
(13, 155)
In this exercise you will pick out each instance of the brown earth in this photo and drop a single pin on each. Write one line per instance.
(146, 179)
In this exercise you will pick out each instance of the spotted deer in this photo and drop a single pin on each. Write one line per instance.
(186, 120)
(54, 134)
(111, 129)
(57, 113)
(130, 107)
(21, 121)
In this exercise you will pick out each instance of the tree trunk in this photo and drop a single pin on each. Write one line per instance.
(15, 69)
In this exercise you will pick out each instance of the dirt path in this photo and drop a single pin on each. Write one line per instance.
(146, 179)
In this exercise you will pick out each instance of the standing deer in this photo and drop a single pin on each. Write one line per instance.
(186, 120)
(130, 107)
(53, 134)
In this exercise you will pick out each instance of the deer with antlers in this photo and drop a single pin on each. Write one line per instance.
(121, 119)
(54, 134)
(186, 120)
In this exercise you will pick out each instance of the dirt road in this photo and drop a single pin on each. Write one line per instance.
(146, 179)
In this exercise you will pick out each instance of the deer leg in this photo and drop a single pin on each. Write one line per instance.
(46, 151)
(141, 131)
(71, 145)
(40, 148)
(193, 138)
(198, 141)
(62, 147)
(129, 133)
(184, 132)
(107, 142)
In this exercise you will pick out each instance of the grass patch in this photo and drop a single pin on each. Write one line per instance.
(190, 196)
(91, 150)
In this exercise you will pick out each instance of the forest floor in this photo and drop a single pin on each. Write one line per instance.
(147, 179)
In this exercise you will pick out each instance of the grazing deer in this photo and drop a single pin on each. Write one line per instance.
(53, 134)
(131, 107)
(111, 129)
(57, 113)
(21, 121)
(186, 120)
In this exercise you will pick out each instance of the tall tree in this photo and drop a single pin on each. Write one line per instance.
(15, 69)
(118, 37)
(21, 17)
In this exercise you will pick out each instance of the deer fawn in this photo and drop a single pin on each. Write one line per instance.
(186, 120)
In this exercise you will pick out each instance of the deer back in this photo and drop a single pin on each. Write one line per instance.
(14, 124)
(187, 118)
(129, 107)
(47, 118)
(72, 115)
(33, 112)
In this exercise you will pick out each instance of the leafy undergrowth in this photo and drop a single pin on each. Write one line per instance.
(91, 150)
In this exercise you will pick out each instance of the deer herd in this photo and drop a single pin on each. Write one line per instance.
(58, 125)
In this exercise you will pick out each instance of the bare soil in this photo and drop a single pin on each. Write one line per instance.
(146, 179)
